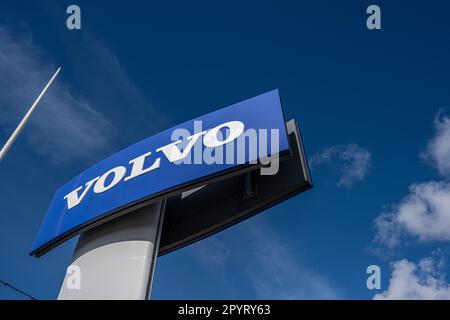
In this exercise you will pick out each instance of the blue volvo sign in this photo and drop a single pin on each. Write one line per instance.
(157, 167)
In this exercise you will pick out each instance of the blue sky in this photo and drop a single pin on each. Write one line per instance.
(371, 106)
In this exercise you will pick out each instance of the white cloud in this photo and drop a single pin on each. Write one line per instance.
(424, 213)
(438, 149)
(352, 161)
(422, 281)
(64, 127)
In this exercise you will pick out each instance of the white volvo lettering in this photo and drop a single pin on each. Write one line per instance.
(117, 172)
(236, 129)
(138, 166)
(73, 199)
(171, 152)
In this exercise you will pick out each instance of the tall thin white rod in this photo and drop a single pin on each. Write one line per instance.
(22, 123)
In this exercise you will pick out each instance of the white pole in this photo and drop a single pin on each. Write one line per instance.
(22, 123)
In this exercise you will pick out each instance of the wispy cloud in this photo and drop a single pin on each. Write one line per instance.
(273, 268)
(425, 280)
(277, 271)
(65, 127)
(425, 211)
(438, 148)
(352, 161)
(120, 81)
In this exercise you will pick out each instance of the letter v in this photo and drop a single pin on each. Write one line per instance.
(73, 199)
(172, 152)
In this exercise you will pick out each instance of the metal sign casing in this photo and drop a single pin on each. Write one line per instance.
(111, 194)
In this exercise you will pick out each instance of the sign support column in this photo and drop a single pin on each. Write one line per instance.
(116, 260)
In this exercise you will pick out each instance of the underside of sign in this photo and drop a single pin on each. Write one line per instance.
(204, 211)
